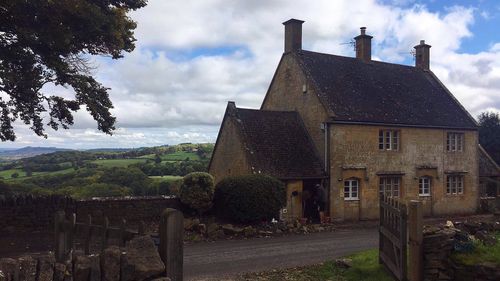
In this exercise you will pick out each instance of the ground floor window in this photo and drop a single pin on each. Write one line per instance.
(424, 186)
(389, 186)
(351, 189)
(454, 184)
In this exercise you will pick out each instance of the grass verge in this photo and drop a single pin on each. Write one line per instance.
(365, 267)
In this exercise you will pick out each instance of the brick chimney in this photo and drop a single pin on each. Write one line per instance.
(364, 46)
(293, 35)
(422, 55)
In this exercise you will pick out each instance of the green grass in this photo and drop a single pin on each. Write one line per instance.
(7, 174)
(148, 156)
(481, 253)
(365, 267)
(166, 178)
(179, 156)
(108, 163)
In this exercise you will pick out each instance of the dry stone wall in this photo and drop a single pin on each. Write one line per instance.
(30, 213)
(438, 246)
(138, 260)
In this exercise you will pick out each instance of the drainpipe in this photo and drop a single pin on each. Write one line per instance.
(326, 127)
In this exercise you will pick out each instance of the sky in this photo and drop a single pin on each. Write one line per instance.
(193, 56)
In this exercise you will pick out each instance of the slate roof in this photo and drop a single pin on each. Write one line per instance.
(378, 92)
(278, 144)
(487, 166)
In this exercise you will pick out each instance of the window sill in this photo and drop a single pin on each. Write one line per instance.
(426, 195)
(351, 199)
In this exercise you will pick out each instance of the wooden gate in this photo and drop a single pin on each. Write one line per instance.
(393, 236)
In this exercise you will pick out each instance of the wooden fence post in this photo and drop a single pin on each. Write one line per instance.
(171, 243)
(88, 234)
(60, 237)
(415, 237)
(403, 226)
(105, 233)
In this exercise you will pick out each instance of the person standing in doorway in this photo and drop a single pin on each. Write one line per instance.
(320, 198)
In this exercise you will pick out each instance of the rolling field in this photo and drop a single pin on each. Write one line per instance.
(166, 178)
(179, 156)
(173, 157)
(108, 163)
(7, 174)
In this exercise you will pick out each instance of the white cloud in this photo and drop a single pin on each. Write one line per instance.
(162, 87)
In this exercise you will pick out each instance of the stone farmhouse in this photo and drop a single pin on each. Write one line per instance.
(359, 127)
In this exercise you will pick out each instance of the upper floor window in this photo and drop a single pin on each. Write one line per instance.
(351, 189)
(454, 184)
(388, 140)
(455, 142)
(424, 186)
(389, 186)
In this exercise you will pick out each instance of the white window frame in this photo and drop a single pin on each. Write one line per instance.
(351, 189)
(388, 140)
(424, 186)
(454, 142)
(454, 184)
(390, 186)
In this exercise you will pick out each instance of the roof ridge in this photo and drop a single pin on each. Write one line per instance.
(266, 110)
(355, 59)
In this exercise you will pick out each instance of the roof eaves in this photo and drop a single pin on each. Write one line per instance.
(349, 122)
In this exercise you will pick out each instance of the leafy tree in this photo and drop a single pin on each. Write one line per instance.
(5, 189)
(49, 43)
(197, 191)
(128, 177)
(157, 158)
(489, 134)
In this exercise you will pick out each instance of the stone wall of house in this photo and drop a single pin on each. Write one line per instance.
(438, 245)
(229, 157)
(422, 152)
(138, 260)
(28, 212)
(286, 93)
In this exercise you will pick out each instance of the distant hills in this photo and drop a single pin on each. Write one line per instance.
(28, 151)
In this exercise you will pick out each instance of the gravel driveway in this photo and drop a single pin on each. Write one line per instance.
(223, 259)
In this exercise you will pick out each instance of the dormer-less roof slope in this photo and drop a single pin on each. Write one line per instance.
(278, 144)
(382, 93)
(487, 166)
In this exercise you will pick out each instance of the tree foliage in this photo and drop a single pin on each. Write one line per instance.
(489, 134)
(44, 42)
(197, 191)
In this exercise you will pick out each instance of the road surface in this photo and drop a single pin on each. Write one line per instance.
(222, 259)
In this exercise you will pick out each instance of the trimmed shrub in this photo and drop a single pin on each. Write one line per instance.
(249, 198)
(197, 191)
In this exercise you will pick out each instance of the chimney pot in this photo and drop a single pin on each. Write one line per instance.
(363, 46)
(422, 55)
(293, 35)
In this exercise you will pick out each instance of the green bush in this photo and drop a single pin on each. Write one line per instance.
(197, 191)
(249, 198)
